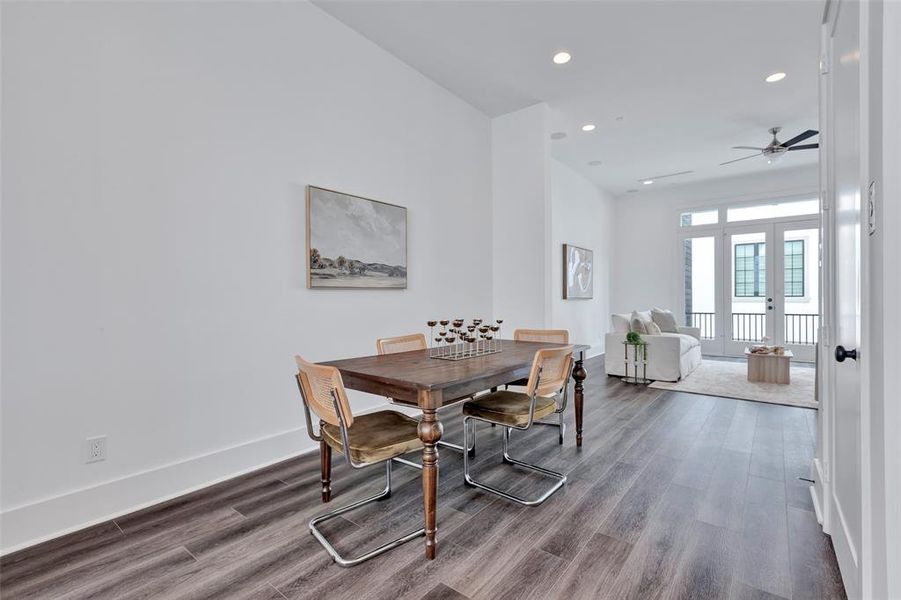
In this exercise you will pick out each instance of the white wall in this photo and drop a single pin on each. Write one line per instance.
(520, 194)
(581, 215)
(647, 269)
(154, 160)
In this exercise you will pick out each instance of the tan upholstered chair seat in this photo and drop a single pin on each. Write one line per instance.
(510, 408)
(376, 436)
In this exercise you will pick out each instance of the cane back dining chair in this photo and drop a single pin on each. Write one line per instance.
(382, 436)
(408, 343)
(548, 379)
(552, 336)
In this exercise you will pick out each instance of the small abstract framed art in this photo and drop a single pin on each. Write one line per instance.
(578, 273)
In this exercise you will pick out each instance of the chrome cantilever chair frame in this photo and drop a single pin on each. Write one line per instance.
(385, 493)
(560, 477)
(560, 424)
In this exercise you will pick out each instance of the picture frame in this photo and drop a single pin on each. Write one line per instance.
(353, 242)
(578, 273)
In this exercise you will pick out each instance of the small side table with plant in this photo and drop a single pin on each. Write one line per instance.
(639, 358)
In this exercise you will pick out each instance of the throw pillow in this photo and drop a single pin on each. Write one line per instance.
(653, 328)
(639, 323)
(644, 315)
(621, 322)
(665, 319)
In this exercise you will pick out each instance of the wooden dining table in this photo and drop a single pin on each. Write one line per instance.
(415, 379)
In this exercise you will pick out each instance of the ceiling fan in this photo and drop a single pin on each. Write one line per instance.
(775, 150)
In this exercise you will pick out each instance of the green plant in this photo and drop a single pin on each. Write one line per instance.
(633, 337)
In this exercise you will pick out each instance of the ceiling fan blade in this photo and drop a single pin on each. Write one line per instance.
(738, 159)
(805, 147)
(747, 148)
(800, 137)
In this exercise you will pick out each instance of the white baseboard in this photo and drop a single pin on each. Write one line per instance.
(846, 553)
(595, 350)
(48, 518)
(816, 493)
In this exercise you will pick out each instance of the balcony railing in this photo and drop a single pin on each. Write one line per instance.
(705, 321)
(748, 327)
(800, 329)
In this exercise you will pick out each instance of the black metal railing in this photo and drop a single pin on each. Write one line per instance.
(748, 327)
(704, 321)
(801, 329)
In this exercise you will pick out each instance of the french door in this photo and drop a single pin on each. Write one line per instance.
(752, 283)
(771, 286)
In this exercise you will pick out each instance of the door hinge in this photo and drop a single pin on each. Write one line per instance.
(871, 208)
(824, 200)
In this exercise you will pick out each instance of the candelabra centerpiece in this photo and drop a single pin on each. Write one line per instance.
(462, 340)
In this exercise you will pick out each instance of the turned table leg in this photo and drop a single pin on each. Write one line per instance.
(325, 470)
(579, 374)
(430, 430)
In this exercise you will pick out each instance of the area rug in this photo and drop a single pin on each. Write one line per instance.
(730, 380)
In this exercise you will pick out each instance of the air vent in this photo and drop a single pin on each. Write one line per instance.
(656, 177)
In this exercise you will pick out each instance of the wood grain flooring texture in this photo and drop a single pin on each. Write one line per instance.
(672, 496)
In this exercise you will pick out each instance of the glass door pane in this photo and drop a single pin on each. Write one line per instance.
(799, 289)
(748, 289)
(699, 263)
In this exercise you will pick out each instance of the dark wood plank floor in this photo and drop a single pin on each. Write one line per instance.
(672, 496)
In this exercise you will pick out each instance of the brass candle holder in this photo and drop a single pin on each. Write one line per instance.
(461, 341)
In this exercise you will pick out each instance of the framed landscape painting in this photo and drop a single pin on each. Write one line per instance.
(578, 273)
(354, 242)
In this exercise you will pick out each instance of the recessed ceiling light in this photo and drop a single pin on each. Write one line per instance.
(558, 135)
(561, 58)
(648, 181)
(594, 163)
(588, 127)
(775, 77)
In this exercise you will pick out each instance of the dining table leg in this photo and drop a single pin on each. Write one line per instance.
(430, 430)
(579, 374)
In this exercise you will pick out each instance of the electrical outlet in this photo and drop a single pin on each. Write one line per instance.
(95, 449)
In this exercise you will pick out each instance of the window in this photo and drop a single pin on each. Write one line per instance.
(750, 270)
(792, 208)
(700, 217)
(794, 268)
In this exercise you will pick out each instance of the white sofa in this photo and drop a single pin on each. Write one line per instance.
(671, 356)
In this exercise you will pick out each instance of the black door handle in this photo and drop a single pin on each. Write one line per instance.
(841, 354)
(769, 308)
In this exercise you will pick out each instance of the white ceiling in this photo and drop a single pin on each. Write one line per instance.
(687, 77)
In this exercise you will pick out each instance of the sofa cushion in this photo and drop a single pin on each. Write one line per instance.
(665, 319)
(686, 342)
(620, 322)
(653, 328)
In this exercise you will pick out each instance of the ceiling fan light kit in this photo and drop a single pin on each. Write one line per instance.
(775, 150)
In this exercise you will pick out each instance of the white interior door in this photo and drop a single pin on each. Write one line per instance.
(842, 159)
(748, 287)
